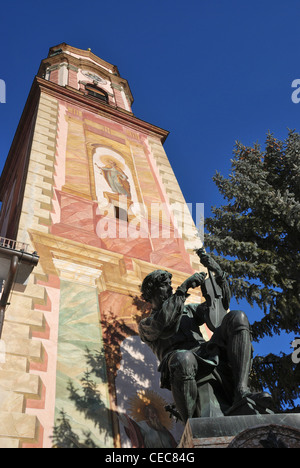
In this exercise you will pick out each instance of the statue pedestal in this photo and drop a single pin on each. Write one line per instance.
(250, 431)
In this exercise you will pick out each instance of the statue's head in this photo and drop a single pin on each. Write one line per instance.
(156, 287)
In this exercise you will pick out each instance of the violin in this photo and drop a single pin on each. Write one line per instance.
(213, 295)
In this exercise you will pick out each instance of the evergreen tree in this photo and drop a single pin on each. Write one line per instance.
(256, 240)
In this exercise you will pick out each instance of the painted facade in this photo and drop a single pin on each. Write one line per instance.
(89, 187)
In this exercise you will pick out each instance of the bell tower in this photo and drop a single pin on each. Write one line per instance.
(88, 185)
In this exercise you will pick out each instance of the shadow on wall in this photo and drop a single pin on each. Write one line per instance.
(88, 401)
(142, 419)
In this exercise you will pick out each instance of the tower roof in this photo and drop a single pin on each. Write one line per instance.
(84, 54)
(80, 59)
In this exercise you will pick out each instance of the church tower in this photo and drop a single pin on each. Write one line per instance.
(88, 186)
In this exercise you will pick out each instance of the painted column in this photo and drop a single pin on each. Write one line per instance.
(81, 382)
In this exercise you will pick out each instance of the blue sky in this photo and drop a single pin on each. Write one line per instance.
(209, 71)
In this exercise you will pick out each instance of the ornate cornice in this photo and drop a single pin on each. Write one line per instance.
(59, 254)
(88, 103)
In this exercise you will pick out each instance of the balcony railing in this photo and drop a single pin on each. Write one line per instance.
(13, 244)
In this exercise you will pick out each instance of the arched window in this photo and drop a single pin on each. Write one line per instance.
(96, 92)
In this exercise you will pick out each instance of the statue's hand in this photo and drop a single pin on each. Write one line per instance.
(209, 262)
(196, 280)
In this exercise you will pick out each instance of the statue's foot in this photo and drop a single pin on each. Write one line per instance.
(260, 402)
(262, 398)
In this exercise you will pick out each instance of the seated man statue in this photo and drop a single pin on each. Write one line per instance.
(172, 332)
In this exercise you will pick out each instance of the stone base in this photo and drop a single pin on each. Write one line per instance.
(251, 431)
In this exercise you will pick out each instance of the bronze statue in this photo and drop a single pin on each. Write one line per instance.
(201, 374)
